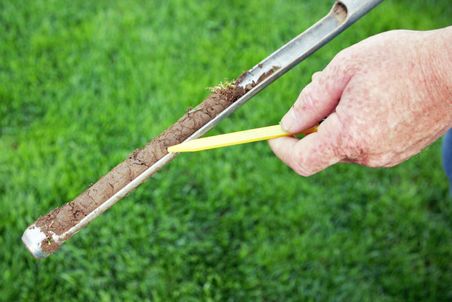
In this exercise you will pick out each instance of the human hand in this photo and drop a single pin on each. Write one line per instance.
(385, 99)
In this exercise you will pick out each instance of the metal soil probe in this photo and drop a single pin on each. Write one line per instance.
(342, 15)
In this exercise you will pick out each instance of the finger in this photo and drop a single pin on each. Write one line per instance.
(313, 153)
(318, 98)
(283, 148)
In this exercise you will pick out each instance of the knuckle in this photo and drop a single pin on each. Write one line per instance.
(306, 101)
(382, 161)
(302, 171)
(390, 164)
(342, 56)
(316, 76)
(346, 61)
(299, 165)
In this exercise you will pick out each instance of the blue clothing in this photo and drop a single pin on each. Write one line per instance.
(447, 157)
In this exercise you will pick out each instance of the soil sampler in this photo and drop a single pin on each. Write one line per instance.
(49, 232)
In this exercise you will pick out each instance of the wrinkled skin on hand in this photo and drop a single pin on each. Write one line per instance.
(384, 99)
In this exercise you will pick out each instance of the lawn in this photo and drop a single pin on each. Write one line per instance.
(83, 83)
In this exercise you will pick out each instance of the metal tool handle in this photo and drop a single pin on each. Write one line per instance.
(343, 14)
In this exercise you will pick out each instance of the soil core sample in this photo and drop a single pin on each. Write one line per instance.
(62, 219)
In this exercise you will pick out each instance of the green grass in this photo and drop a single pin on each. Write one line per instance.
(83, 83)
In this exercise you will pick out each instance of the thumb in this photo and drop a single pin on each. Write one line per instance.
(315, 152)
(319, 98)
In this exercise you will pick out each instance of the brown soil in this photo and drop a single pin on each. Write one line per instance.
(62, 219)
